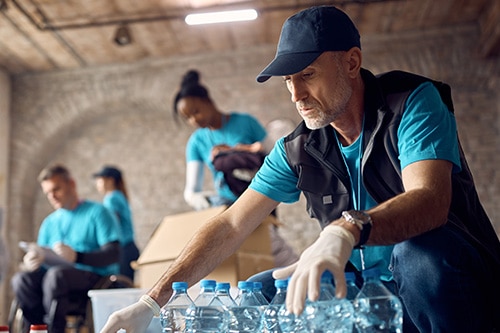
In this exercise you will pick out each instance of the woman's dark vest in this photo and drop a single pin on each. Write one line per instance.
(315, 157)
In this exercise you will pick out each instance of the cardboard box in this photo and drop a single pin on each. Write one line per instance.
(170, 237)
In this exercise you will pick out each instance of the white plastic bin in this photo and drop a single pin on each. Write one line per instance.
(107, 301)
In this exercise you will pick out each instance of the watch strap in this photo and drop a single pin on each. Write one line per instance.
(363, 221)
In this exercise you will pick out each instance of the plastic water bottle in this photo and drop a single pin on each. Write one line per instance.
(270, 321)
(377, 309)
(207, 314)
(257, 291)
(206, 294)
(222, 290)
(315, 317)
(172, 316)
(352, 292)
(246, 316)
(290, 323)
(352, 288)
(328, 314)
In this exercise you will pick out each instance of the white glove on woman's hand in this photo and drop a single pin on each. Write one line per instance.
(330, 251)
(32, 260)
(134, 318)
(197, 200)
(65, 252)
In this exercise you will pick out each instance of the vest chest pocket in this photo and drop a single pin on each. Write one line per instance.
(326, 195)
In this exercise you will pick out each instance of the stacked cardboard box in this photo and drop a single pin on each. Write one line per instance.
(175, 231)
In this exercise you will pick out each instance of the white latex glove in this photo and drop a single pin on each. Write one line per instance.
(32, 260)
(197, 200)
(134, 318)
(65, 252)
(330, 251)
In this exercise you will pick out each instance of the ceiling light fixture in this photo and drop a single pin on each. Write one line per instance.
(122, 36)
(221, 17)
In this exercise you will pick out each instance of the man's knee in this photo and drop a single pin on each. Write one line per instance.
(17, 282)
(441, 271)
(20, 281)
(54, 280)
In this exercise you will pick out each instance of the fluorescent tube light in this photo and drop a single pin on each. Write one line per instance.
(220, 17)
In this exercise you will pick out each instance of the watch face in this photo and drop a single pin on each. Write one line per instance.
(361, 216)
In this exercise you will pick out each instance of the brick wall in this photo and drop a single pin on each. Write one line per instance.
(121, 115)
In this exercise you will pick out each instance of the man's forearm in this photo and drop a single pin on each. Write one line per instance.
(405, 216)
(215, 241)
(211, 245)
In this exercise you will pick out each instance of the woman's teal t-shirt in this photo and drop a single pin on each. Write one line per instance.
(241, 128)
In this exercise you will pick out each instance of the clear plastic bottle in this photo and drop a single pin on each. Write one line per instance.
(173, 314)
(352, 288)
(318, 315)
(207, 314)
(270, 321)
(222, 290)
(352, 292)
(207, 292)
(257, 291)
(327, 314)
(377, 309)
(290, 323)
(247, 313)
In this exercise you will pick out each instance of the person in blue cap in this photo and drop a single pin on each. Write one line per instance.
(379, 161)
(110, 183)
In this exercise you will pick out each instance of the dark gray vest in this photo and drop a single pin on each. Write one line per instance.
(315, 157)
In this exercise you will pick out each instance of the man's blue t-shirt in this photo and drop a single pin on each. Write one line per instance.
(116, 202)
(427, 132)
(85, 229)
(241, 128)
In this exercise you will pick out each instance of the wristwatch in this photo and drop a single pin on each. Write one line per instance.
(361, 220)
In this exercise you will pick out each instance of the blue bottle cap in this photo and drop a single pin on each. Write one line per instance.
(257, 285)
(223, 286)
(245, 285)
(350, 276)
(327, 276)
(179, 285)
(208, 283)
(281, 283)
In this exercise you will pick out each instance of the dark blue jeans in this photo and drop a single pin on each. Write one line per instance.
(36, 292)
(444, 282)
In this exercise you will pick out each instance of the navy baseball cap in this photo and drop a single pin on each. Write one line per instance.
(306, 35)
(109, 171)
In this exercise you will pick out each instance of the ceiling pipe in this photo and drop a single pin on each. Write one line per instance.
(45, 24)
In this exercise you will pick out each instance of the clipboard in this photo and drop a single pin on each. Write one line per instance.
(51, 258)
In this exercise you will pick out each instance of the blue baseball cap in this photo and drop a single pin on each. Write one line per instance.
(109, 171)
(308, 34)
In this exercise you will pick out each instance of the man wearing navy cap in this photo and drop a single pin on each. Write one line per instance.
(381, 167)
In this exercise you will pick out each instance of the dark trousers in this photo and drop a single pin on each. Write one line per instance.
(129, 253)
(444, 282)
(48, 292)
